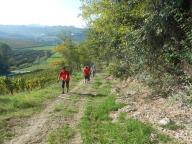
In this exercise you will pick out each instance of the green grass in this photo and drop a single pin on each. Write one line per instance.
(97, 127)
(54, 57)
(65, 110)
(22, 105)
(45, 64)
(96, 84)
(61, 135)
(78, 75)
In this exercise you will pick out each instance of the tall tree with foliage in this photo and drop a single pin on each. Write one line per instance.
(74, 54)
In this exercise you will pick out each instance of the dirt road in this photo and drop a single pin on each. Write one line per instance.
(36, 128)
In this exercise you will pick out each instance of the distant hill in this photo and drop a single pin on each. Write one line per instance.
(19, 36)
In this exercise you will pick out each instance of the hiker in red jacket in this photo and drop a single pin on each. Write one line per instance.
(86, 73)
(64, 76)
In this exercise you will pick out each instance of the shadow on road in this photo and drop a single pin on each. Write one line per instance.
(88, 94)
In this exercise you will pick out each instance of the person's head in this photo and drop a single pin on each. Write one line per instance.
(63, 68)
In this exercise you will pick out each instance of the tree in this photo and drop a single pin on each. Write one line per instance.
(133, 36)
(5, 52)
(74, 54)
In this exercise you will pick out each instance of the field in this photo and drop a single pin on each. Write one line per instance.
(20, 43)
(38, 48)
(34, 58)
(44, 64)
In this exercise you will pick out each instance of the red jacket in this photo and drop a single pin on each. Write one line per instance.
(64, 75)
(86, 71)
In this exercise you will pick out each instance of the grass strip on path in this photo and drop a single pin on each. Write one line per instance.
(61, 135)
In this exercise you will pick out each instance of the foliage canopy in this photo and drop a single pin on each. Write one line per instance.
(133, 36)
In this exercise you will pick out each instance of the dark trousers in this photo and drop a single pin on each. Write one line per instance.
(63, 84)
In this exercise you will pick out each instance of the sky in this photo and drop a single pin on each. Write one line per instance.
(43, 12)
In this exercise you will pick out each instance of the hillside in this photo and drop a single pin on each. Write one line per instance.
(19, 36)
